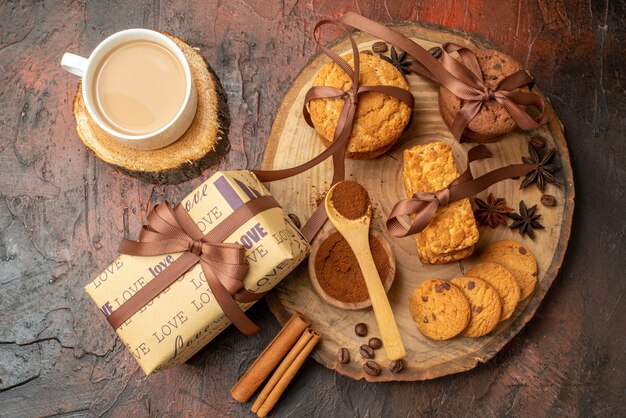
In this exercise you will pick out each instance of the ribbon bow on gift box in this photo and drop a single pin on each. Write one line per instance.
(223, 264)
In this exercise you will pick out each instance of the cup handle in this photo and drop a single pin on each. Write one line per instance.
(74, 64)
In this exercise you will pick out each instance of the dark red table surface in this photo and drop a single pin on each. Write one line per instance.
(63, 212)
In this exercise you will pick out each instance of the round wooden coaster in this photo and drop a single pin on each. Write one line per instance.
(199, 147)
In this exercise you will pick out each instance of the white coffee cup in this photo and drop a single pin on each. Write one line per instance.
(87, 67)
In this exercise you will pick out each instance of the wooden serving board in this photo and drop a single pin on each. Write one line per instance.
(293, 142)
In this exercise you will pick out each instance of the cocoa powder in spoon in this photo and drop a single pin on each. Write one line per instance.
(350, 199)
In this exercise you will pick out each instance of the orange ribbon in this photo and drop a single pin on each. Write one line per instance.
(223, 264)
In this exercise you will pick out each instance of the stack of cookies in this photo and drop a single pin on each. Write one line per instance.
(380, 119)
(492, 120)
(452, 232)
(473, 305)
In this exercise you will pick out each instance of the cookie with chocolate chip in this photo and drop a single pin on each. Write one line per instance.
(493, 120)
(501, 280)
(485, 304)
(440, 309)
(517, 259)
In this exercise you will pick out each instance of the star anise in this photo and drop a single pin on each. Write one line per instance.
(543, 173)
(398, 61)
(526, 220)
(491, 212)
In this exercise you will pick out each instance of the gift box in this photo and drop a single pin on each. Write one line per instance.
(176, 323)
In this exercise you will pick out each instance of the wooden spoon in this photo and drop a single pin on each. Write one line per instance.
(356, 233)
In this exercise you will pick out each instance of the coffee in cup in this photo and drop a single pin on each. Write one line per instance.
(137, 87)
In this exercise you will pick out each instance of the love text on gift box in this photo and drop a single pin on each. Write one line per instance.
(172, 326)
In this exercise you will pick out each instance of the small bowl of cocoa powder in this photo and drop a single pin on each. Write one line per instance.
(335, 274)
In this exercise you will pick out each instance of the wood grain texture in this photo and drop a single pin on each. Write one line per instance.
(292, 142)
(63, 212)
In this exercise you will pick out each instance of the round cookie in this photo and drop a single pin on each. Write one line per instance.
(468, 135)
(379, 120)
(501, 280)
(485, 304)
(517, 259)
(493, 120)
(440, 309)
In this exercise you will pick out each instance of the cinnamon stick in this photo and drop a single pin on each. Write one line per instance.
(269, 358)
(290, 371)
(282, 368)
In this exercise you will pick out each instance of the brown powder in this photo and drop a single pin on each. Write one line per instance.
(338, 271)
(350, 199)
